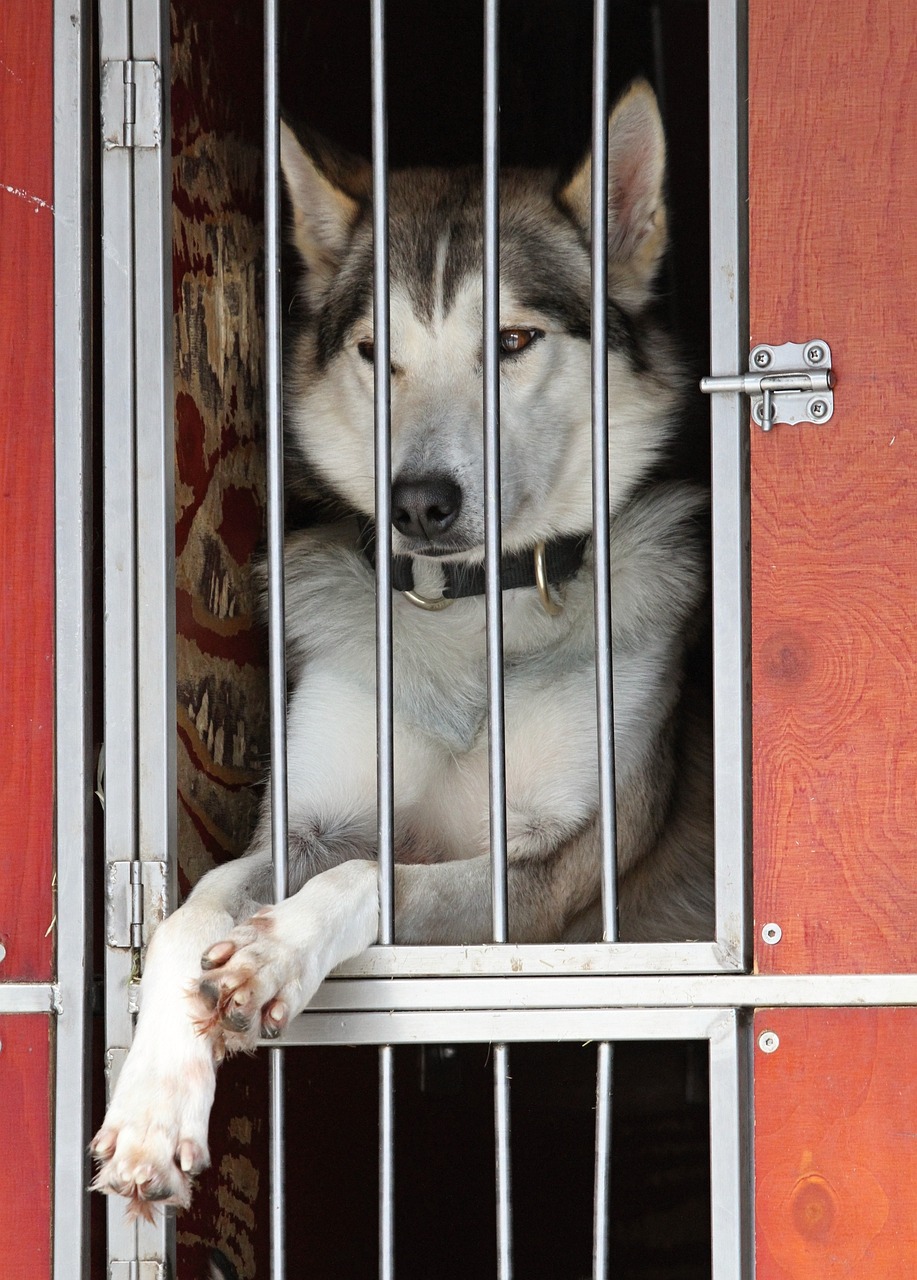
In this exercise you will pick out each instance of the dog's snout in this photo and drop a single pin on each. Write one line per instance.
(425, 507)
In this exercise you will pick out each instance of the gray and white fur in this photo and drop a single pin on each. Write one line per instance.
(226, 968)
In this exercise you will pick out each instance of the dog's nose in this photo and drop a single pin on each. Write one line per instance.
(425, 507)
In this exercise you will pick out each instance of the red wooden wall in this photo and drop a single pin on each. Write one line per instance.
(833, 141)
(26, 622)
(26, 488)
(833, 235)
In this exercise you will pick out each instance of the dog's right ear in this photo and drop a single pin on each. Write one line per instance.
(328, 191)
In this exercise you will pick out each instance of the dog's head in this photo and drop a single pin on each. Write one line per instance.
(435, 256)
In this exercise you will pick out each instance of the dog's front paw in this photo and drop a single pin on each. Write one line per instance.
(252, 983)
(154, 1137)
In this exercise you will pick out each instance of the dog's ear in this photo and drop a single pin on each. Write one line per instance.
(328, 190)
(637, 234)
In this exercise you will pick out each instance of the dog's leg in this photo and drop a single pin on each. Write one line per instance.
(281, 955)
(154, 1137)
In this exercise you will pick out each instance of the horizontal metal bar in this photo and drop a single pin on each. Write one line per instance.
(504, 1026)
(29, 997)
(721, 991)
(510, 960)
(752, 384)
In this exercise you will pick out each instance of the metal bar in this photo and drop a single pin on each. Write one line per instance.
(731, 1164)
(73, 640)
(119, 560)
(612, 957)
(154, 456)
(383, 464)
(603, 1098)
(386, 1162)
(385, 791)
(590, 991)
(502, 1026)
(29, 997)
(276, 603)
(154, 449)
(492, 530)
(503, 1163)
(729, 471)
(601, 519)
(276, 1163)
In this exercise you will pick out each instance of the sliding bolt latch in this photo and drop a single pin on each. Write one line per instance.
(790, 383)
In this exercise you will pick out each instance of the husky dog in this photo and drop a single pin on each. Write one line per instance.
(226, 968)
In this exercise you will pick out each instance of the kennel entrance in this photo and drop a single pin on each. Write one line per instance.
(832, 703)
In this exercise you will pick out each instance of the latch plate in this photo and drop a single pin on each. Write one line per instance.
(789, 383)
(131, 103)
(135, 901)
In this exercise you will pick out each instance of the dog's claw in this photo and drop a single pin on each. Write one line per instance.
(217, 955)
(210, 993)
(237, 1021)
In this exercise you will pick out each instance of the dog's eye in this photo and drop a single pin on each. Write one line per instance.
(367, 350)
(513, 341)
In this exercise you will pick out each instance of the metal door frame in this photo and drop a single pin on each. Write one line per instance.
(499, 992)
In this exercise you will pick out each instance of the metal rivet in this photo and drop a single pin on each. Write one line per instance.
(772, 933)
(815, 354)
(818, 408)
(768, 1041)
(762, 358)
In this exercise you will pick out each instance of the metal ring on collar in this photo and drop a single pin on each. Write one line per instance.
(423, 602)
(550, 605)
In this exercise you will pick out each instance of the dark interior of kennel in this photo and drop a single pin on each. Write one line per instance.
(444, 1162)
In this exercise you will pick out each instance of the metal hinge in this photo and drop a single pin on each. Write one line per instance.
(131, 103)
(135, 901)
(790, 383)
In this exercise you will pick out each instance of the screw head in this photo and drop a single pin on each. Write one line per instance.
(771, 933)
(762, 358)
(815, 354)
(768, 1041)
(818, 408)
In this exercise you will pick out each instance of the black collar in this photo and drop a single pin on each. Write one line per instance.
(563, 558)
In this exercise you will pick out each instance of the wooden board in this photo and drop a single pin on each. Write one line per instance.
(835, 1146)
(833, 236)
(25, 1172)
(27, 488)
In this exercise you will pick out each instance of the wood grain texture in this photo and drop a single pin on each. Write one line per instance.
(26, 488)
(833, 235)
(25, 1172)
(836, 1145)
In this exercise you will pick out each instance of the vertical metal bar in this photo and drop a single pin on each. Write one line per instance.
(603, 1100)
(729, 470)
(73, 634)
(385, 811)
(154, 453)
(276, 604)
(492, 540)
(600, 480)
(383, 464)
(504, 1166)
(154, 434)
(386, 1162)
(731, 1130)
(119, 565)
(494, 605)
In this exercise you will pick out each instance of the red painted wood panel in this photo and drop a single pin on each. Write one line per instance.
(833, 235)
(26, 487)
(25, 1170)
(836, 1145)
